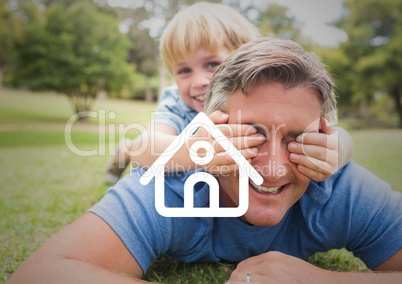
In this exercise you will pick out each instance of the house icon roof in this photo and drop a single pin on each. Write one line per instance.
(246, 170)
(201, 119)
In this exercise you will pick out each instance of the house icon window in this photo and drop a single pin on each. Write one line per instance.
(188, 210)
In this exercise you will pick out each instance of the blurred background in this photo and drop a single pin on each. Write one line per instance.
(94, 65)
(89, 49)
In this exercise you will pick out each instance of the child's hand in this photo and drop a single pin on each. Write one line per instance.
(316, 154)
(243, 136)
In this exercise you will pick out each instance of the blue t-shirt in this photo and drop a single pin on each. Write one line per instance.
(352, 209)
(172, 110)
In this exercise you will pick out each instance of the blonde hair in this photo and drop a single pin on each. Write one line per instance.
(208, 25)
(271, 60)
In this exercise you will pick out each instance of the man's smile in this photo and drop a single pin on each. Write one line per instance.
(263, 189)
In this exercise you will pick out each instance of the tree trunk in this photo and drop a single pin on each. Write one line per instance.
(396, 95)
(82, 104)
(1, 78)
(148, 90)
(364, 109)
(163, 80)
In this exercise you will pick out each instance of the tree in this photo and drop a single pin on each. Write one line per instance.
(143, 54)
(10, 30)
(374, 48)
(275, 21)
(144, 33)
(145, 25)
(75, 50)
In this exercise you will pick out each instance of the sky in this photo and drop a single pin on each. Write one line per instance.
(314, 15)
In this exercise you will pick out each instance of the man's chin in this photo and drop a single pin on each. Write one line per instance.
(257, 217)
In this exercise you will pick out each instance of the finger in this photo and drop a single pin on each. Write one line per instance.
(219, 117)
(316, 152)
(224, 158)
(312, 174)
(223, 163)
(319, 139)
(228, 130)
(246, 277)
(222, 169)
(249, 153)
(235, 130)
(253, 270)
(326, 126)
(239, 277)
(225, 168)
(244, 142)
(251, 261)
(313, 164)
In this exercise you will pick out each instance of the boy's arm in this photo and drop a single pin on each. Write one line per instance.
(87, 251)
(319, 155)
(153, 144)
(147, 147)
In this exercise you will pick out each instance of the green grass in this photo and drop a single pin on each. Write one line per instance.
(42, 190)
(22, 107)
(45, 186)
(18, 106)
(380, 151)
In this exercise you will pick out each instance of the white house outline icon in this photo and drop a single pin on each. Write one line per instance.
(157, 170)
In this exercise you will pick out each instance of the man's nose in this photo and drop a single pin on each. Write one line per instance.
(273, 160)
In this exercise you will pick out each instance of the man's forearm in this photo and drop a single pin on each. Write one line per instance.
(63, 270)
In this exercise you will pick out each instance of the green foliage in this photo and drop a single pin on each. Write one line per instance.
(338, 260)
(142, 51)
(274, 21)
(338, 66)
(8, 27)
(75, 50)
(374, 49)
(138, 90)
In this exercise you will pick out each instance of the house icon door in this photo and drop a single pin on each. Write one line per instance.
(201, 177)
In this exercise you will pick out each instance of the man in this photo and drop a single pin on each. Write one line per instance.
(283, 91)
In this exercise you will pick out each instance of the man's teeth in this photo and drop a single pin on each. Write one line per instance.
(201, 98)
(260, 188)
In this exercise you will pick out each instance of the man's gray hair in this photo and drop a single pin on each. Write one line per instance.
(271, 60)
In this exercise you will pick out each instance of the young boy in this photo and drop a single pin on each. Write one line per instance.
(193, 45)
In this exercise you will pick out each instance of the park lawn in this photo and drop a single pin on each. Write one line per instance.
(45, 185)
(380, 151)
(23, 107)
